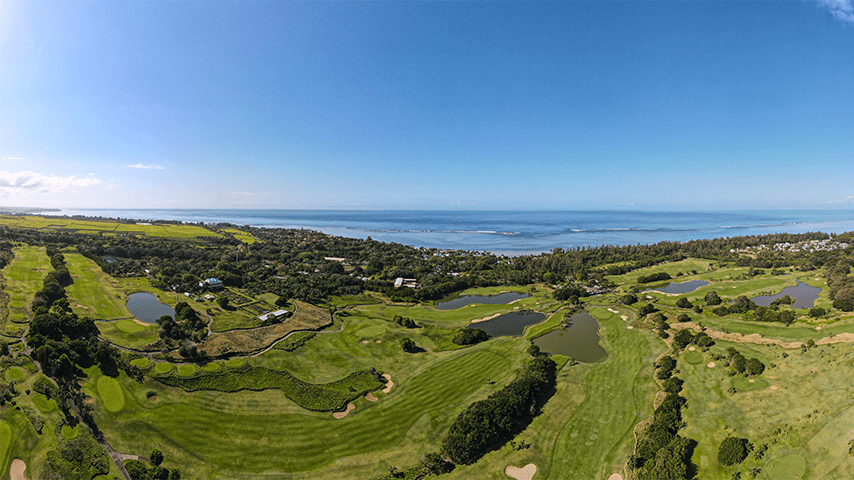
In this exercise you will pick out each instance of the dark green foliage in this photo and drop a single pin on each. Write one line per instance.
(673, 385)
(565, 293)
(534, 350)
(4, 348)
(490, 423)
(78, 459)
(156, 457)
(671, 462)
(683, 338)
(469, 336)
(408, 345)
(665, 367)
(741, 304)
(739, 363)
(683, 303)
(755, 367)
(817, 312)
(683, 317)
(702, 339)
(732, 450)
(660, 453)
(326, 397)
(629, 299)
(433, 464)
(712, 298)
(405, 322)
(721, 311)
(646, 309)
(34, 417)
(654, 277)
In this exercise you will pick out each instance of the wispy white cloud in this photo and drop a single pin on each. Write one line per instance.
(841, 9)
(14, 158)
(27, 182)
(146, 167)
(847, 199)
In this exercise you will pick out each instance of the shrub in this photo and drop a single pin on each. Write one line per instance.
(683, 303)
(712, 298)
(469, 336)
(732, 450)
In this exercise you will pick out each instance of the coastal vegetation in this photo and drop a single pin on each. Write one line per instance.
(367, 380)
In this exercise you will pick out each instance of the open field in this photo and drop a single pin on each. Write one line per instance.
(50, 223)
(94, 293)
(24, 276)
(240, 235)
(127, 333)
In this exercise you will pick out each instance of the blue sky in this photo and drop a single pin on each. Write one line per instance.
(473, 105)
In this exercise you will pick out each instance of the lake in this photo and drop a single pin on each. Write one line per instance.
(803, 294)
(146, 307)
(580, 340)
(684, 287)
(501, 298)
(509, 324)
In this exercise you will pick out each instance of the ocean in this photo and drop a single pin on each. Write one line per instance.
(509, 232)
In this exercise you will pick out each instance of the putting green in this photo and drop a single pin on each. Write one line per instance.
(211, 367)
(235, 362)
(187, 370)
(140, 362)
(16, 374)
(163, 367)
(694, 358)
(44, 404)
(129, 326)
(744, 385)
(371, 331)
(111, 394)
(70, 433)
(790, 467)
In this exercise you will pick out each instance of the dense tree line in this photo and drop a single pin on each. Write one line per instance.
(490, 423)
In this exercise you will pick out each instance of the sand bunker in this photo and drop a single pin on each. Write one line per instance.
(711, 365)
(525, 473)
(389, 383)
(630, 327)
(613, 311)
(379, 341)
(818, 328)
(370, 397)
(17, 469)
(751, 380)
(615, 476)
(340, 415)
(140, 322)
(89, 400)
(624, 317)
(153, 398)
(691, 349)
(478, 320)
(773, 387)
(364, 341)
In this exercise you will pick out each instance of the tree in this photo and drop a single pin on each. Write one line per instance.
(646, 309)
(712, 298)
(732, 450)
(739, 363)
(433, 464)
(469, 336)
(629, 299)
(407, 345)
(156, 456)
(4, 348)
(534, 350)
(817, 312)
(682, 338)
(222, 301)
(683, 303)
(755, 367)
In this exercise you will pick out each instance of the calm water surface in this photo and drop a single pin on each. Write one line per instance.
(502, 298)
(509, 324)
(684, 287)
(580, 340)
(146, 307)
(803, 294)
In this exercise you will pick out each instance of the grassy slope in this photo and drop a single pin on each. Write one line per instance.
(810, 414)
(94, 227)
(597, 439)
(24, 276)
(268, 433)
(94, 293)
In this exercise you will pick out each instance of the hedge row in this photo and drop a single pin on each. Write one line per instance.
(327, 397)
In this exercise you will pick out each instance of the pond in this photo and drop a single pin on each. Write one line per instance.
(803, 294)
(684, 287)
(501, 298)
(580, 340)
(146, 307)
(509, 324)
